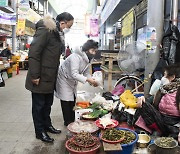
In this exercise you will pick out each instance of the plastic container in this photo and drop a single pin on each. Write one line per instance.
(115, 124)
(126, 148)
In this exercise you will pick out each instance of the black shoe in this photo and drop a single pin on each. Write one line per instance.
(43, 136)
(51, 129)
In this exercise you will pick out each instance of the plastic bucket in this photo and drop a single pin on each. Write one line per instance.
(126, 148)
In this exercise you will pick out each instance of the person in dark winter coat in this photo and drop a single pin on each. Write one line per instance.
(44, 56)
(74, 69)
(171, 44)
(6, 52)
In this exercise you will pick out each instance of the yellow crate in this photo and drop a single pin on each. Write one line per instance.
(15, 58)
(9, 70)
(14, 67)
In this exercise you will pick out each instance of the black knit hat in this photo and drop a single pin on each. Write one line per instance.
(89, 45)
(65, 16)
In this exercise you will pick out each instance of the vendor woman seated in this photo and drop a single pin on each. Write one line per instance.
(167, 99)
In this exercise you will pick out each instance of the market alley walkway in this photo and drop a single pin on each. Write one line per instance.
(16, 125)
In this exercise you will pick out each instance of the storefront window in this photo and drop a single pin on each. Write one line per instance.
(167, 8)
(141, 20)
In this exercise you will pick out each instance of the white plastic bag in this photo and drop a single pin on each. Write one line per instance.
(91, 89)
(83, 96)
(98, 99)
(108, 105)
(98, 78)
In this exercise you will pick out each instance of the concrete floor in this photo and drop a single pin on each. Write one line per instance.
(16, 125)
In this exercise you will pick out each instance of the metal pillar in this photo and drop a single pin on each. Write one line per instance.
(94, 7)
(14, 30)
(174, 12)
(45, 7)
(38, 7)
(155, 18)
(106, 35)
(102, 37)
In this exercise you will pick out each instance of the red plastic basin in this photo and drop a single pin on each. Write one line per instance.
(92, 151)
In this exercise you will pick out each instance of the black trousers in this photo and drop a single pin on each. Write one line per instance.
(67, 110)
(41, 109)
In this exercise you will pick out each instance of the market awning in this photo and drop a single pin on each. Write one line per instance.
(111, 14)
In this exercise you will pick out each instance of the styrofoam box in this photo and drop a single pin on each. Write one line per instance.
(4, 75)
(81, 111)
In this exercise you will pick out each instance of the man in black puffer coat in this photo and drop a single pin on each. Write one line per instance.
(44, 56)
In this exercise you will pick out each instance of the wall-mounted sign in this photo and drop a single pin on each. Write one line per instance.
(127, 23)
(151, 34)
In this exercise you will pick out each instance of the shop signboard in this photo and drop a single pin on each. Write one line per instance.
(3, 3)
(94, 27)
(20, 26)
(127, 24)
(7, 18)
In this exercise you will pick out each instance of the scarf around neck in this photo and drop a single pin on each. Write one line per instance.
(170, 87)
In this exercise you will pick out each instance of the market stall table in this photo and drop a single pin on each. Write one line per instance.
(110, 69)
(23, 64)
